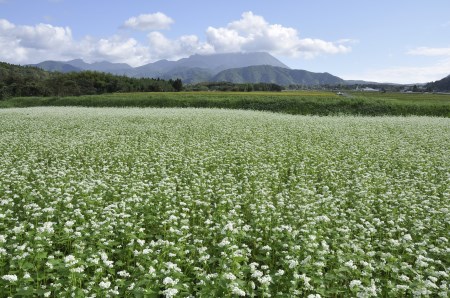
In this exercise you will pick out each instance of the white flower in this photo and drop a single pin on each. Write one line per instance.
(280, 272)
(224, 242)
(169, 293)
(123, 273)
(402, 287)
(10, 277)
(350, 265)
(69, 223)
(229, 276)
(237, 291)
(70, 260)
(403, 277)
(265, 280)
(293, 263)
(257, 274)
(355, 283)
(77, 269)
(169, 281)
(46, 227)
(407, 237)
(105, 284)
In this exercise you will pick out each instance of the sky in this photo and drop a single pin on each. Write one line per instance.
(400, 41)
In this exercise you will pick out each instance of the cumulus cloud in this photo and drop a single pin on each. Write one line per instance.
(19, 43)
(426, 51)
(162, 48)
(113, 49)
(32, 44)
(254, 33)
(149, 22)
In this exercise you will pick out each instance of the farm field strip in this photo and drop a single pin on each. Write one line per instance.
(103, 202)
(296, 103)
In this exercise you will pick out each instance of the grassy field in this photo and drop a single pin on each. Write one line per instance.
(135, 202)
(298, 103)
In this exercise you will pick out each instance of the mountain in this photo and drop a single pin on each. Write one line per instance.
(442, 85)
(218, 62)
(188, 75)
(103, 66)
(202, 66)
(276, 75)
(258, 67)
(57, 66)
(206, 66)
(79, 65)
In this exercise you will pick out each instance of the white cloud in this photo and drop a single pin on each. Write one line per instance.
(254, 33)
(163, 48)
(20, 44)
(43, 36)
(24, 44)
(32, 44)
(149, 22)
(407, 74)
(426, 51)
(113, 49)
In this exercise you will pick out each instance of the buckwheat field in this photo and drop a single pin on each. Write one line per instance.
(218, 203)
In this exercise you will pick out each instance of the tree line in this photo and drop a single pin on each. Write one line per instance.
(22, 81)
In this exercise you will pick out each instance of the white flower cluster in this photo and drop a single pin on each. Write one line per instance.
(200, 202)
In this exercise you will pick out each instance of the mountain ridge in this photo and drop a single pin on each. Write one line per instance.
(253, 67)
(277, 75)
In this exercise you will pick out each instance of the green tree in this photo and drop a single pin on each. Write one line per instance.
(177, 85)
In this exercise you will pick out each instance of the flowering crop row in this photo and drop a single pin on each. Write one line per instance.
(218, 203)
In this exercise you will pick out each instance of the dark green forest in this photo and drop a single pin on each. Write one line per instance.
(23, 81)
(26, 81)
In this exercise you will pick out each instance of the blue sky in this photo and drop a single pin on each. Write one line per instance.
(386, 41)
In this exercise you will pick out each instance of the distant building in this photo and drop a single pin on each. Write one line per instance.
(368, 89)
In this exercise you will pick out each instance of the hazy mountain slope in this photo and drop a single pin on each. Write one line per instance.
(232, 67)
(103, 66)
(219, 62)
(189, 75)
(57, 66)
(276, 75)
(79, 65)
(442, 85)
(213, 63)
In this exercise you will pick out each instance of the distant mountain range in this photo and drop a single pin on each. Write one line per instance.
(258, 67)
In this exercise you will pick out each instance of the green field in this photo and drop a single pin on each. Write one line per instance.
(132, 202)
(297, 103)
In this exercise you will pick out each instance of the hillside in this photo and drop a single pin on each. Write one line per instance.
(194, 69)
(17, 81)
(57, 66)
(442, 85)
(275, 75)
